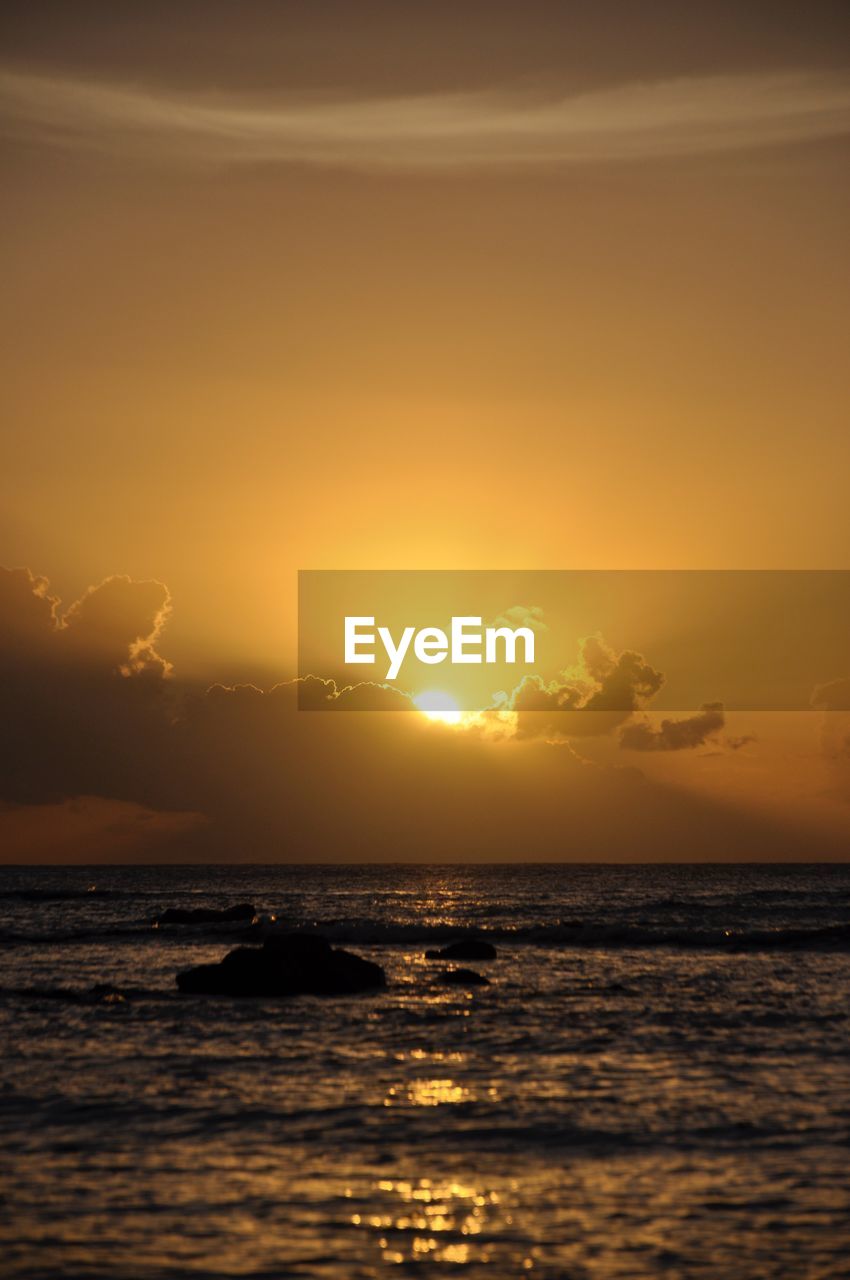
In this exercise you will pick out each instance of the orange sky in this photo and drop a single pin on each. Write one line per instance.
(485, 286)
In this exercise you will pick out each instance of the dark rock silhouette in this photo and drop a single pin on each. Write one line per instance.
(464, 978)
(104, 993)
(288, 965)
(468, 949)
(207, 915)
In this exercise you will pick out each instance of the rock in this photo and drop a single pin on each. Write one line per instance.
(464, 978)
(289, 965)
(103, 993)
(468, 949)
(207, 915)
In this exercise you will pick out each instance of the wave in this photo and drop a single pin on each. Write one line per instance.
(63, 895)
(826, 938)
(146, 930)
(100, 993)
(338, 1126)
(598, 935)
(69, 937)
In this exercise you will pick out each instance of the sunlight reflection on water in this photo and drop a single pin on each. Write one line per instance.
(604, 1112)
(436, 1221)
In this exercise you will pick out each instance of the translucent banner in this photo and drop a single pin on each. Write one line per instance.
(577, 640)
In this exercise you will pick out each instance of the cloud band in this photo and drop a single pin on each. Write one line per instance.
(668, 118)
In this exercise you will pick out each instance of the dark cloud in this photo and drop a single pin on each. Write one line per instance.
(316, 694)
(625, 681)
(599, 694)
(113, 627)
(117, 625)
(676, 735)
(85, 692)
(91, 709)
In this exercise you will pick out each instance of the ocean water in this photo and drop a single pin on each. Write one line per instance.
(656, 1082)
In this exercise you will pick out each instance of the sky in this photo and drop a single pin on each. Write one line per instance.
(493, 286)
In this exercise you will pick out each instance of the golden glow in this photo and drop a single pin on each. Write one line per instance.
(437, 1219)
(427, 1093)
(439, 706)
(416, 395)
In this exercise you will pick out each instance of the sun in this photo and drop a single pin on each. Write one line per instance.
(438, 706)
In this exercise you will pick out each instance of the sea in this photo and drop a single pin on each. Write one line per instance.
(654, 1083)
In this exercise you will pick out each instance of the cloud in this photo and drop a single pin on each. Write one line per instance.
(317, 694)
(83, 692)
(169, 770)
(439, 131)
(521, 615)
(676, 735)
(592, 698)
(114, 626)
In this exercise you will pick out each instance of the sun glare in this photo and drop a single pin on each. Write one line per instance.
(438, 706)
